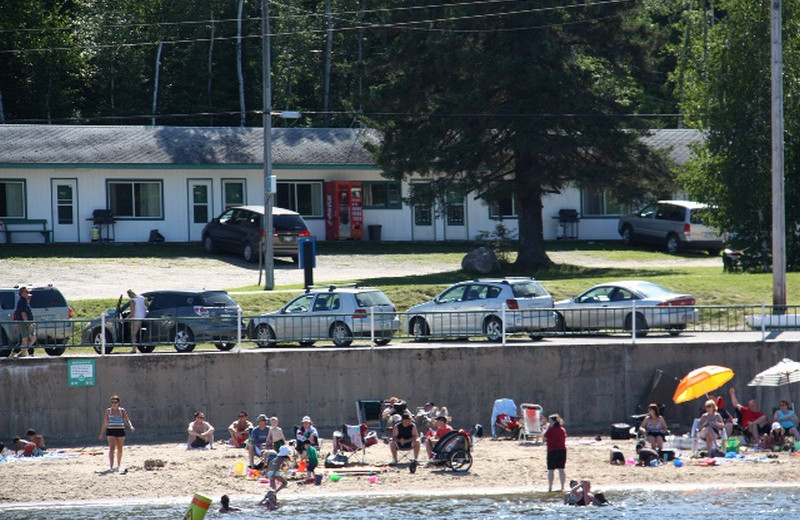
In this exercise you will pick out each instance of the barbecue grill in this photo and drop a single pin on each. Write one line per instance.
(104, 220)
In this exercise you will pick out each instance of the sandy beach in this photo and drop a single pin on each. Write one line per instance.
(79, 474)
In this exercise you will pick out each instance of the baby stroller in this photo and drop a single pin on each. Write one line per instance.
(454, 450)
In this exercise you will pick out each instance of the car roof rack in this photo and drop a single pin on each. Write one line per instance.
(332, 286)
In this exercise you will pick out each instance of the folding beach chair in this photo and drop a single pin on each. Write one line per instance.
(368, 411)
(505, 419)
(352, 442)
(532, 415)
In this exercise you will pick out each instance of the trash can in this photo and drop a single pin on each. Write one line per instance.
(374, 232)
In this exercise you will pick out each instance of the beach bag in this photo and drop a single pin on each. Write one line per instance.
(336, 461)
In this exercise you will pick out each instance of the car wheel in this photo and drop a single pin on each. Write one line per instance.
(250, 253)
(420, 329)
(208, 244)
(265, 336)
(627, 235)
(97, 341)
(341, 335)
(641, 324)
(182, 339)
(673, 244)
(382, 342)
(675, 330)
(561, 325)
(307, 343)
(535, 337)
(5, 348)
(225, 346)
(295, 259)
(55, 351)
(493, 329)
(145, 349)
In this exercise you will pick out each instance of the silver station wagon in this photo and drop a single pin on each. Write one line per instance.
(476, 307)
(337, 313)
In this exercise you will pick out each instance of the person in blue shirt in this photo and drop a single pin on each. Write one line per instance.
(258, 437)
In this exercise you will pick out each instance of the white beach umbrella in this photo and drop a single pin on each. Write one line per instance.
(785, 372)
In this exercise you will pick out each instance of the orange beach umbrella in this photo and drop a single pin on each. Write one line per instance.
(700, 381)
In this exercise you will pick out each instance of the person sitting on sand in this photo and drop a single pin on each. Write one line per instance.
(646, 455)
(788, 420)
(617, 457)
(226, 507)
(36, 438)
(201, 433)
(258, 438)
(274, 468)
(774, 440)
(28, 448)
(240, 430)
(270, 501)
(275, 438)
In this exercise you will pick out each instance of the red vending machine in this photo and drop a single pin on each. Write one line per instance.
(344, 215)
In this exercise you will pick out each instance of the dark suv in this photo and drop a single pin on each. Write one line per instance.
(51, 313)
(238, 230)
(182, 318)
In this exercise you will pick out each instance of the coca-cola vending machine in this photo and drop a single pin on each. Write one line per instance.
(344, 214)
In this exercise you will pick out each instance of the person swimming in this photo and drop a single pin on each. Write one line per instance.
(270, 501)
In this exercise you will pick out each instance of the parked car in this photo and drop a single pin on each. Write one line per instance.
(475, 307)
(51, 313)
(611, 306)
(182, 318)
(339, 313)
(238, 230)
(675, 224)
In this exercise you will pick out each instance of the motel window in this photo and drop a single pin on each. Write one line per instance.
(12, 199)
(304, 197)
(233, 192)
(504, 207)
(136, 199)
(382, 195)
(599, 202)
(422, 200)
(454, 198)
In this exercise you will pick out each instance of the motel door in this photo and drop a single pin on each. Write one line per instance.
(64, 194)
(200, 207)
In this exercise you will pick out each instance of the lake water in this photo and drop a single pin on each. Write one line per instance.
(738, 503)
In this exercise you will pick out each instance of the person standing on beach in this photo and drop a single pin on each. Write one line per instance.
(115, 419)
(555, 436)
(137, 312)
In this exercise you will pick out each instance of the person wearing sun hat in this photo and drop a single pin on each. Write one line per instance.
(306, 432)
(274, 468)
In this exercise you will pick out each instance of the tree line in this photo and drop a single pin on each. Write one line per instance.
(500, 98)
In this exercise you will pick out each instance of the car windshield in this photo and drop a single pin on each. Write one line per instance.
(372, 299)
(217, 299)
(527, 289)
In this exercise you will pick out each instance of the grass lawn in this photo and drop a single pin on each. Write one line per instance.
(710, 285)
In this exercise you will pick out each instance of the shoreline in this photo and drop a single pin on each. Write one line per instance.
(500, 468)
(456, 493)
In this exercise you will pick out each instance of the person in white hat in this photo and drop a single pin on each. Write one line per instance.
(306, 432)
(274, 469)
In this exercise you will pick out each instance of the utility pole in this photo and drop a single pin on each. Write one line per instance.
(778, 198)
(266, 71)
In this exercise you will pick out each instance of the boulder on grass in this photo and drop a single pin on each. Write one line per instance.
(481, 260)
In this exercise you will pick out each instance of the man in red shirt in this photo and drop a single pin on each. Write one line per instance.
(752, 418)
(441, 429)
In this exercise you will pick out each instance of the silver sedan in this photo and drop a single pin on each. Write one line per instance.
(628, 305)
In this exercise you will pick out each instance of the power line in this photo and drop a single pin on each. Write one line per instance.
(409, 24)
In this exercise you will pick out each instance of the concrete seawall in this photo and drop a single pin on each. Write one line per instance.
(591, 386)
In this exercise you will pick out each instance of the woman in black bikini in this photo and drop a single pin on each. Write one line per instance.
(654, 427)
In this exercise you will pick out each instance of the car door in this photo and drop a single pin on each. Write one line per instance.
(294, 321)
(590, 310)
(449, 317)
(160, 307)
(644, 228)
(668, 219)
(7, 301)
(224, 231)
